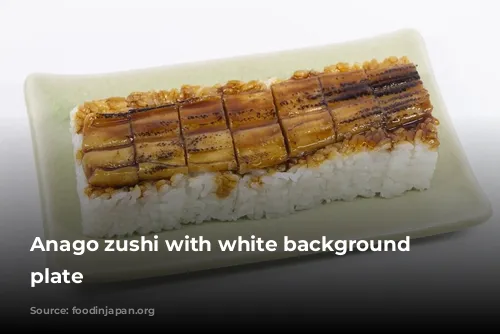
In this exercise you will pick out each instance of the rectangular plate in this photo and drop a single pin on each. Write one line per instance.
(455, 200)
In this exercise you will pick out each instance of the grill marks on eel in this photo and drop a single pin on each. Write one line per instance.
(304, 118)
(351, 102)
(243, 126)
(208, 140)
(399, 92)
(253, 121)
(158, 143)
(108, 150)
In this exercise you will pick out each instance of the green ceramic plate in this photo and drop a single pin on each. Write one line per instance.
(455, 200)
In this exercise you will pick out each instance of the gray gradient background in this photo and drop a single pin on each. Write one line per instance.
(460, 270)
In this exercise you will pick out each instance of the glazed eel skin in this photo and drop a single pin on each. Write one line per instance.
(243, 126)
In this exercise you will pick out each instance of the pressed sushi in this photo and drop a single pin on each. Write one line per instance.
(155, 160)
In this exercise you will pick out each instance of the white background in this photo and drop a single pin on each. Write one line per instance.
(103, 36)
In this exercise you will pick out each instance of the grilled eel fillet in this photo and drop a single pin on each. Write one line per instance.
(240, 127)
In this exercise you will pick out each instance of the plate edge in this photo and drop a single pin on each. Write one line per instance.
(28, 90)
(446, 114)
(429, 231)
(118, 275)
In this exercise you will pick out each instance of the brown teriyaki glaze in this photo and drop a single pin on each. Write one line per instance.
(243, 126)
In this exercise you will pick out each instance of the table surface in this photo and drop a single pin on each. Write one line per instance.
(91, 37)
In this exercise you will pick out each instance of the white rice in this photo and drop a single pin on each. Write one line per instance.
(192, 199)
